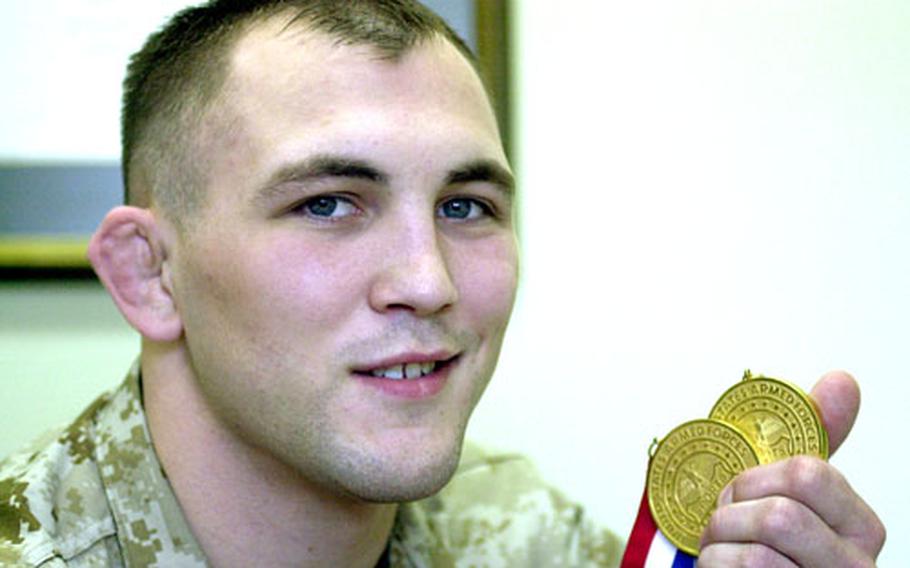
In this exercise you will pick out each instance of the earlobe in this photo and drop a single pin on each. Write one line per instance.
(129, 255)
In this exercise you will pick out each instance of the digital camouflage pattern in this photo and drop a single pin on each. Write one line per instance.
(97, 496)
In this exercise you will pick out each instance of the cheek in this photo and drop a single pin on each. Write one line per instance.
(282, 288)
(487, 277)
(307, 286)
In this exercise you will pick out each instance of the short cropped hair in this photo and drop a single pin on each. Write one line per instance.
(181, 69)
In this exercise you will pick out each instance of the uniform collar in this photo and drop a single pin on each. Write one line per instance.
(151, 528)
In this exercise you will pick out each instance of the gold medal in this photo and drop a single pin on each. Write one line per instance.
(779, 419)
(688, 470)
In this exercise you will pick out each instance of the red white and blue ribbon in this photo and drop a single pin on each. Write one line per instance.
(649, 548)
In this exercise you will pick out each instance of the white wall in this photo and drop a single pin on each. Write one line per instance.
(61, 345)
(63, 62)
(707, 186)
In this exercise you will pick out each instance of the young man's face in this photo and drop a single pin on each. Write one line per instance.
(357, 227)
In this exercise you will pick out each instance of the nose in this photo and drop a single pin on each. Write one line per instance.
(415, 275)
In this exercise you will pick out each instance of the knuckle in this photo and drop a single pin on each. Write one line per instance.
(780, 517)
(742, 555)
(715, 522)
(707, 557)
(865, 562)
(882, 536)
(878, 535)
(742, 480)
(806, 474)
(758, 555)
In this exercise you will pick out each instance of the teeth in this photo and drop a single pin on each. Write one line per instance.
(396, 372)
(408, 371)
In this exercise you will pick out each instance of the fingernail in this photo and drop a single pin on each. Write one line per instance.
(726, 496)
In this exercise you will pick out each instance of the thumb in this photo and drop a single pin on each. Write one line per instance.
(837, 397)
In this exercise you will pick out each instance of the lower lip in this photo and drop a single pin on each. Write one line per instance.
(411, 389)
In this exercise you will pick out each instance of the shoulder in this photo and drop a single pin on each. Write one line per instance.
(488, 482)
(52, 503)
(497, 507)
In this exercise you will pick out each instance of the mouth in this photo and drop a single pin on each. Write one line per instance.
(408, 370)
(409, 377)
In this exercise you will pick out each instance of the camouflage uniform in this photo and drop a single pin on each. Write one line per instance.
(96, 496)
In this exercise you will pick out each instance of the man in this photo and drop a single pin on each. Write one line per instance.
(318, 251)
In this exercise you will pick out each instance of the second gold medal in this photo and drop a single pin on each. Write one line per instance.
(779, 418)
(688, 470)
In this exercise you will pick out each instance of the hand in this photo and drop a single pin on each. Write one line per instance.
(800, 511)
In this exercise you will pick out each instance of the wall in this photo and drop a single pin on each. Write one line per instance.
(705, 187)
(63, 62)
(61, 344)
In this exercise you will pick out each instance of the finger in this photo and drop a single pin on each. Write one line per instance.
(729, 554)
(837, 396)
(785, 526)
(822, 489)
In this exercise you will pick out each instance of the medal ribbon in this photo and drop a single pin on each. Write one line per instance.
(648, 547)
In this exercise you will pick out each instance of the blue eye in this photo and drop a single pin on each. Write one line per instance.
(462, 208)
(328, 206)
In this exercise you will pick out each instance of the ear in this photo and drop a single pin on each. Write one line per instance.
(129, 254)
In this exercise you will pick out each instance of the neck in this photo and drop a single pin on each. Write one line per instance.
(246, 507)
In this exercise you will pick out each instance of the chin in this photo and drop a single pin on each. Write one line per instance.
(382, 479)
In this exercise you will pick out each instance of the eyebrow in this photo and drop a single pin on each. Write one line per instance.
(323, 166)
(320, 167)
(483, 171)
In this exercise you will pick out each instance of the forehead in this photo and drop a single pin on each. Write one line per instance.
(291, 92)
(296, 56)
(315, 76)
